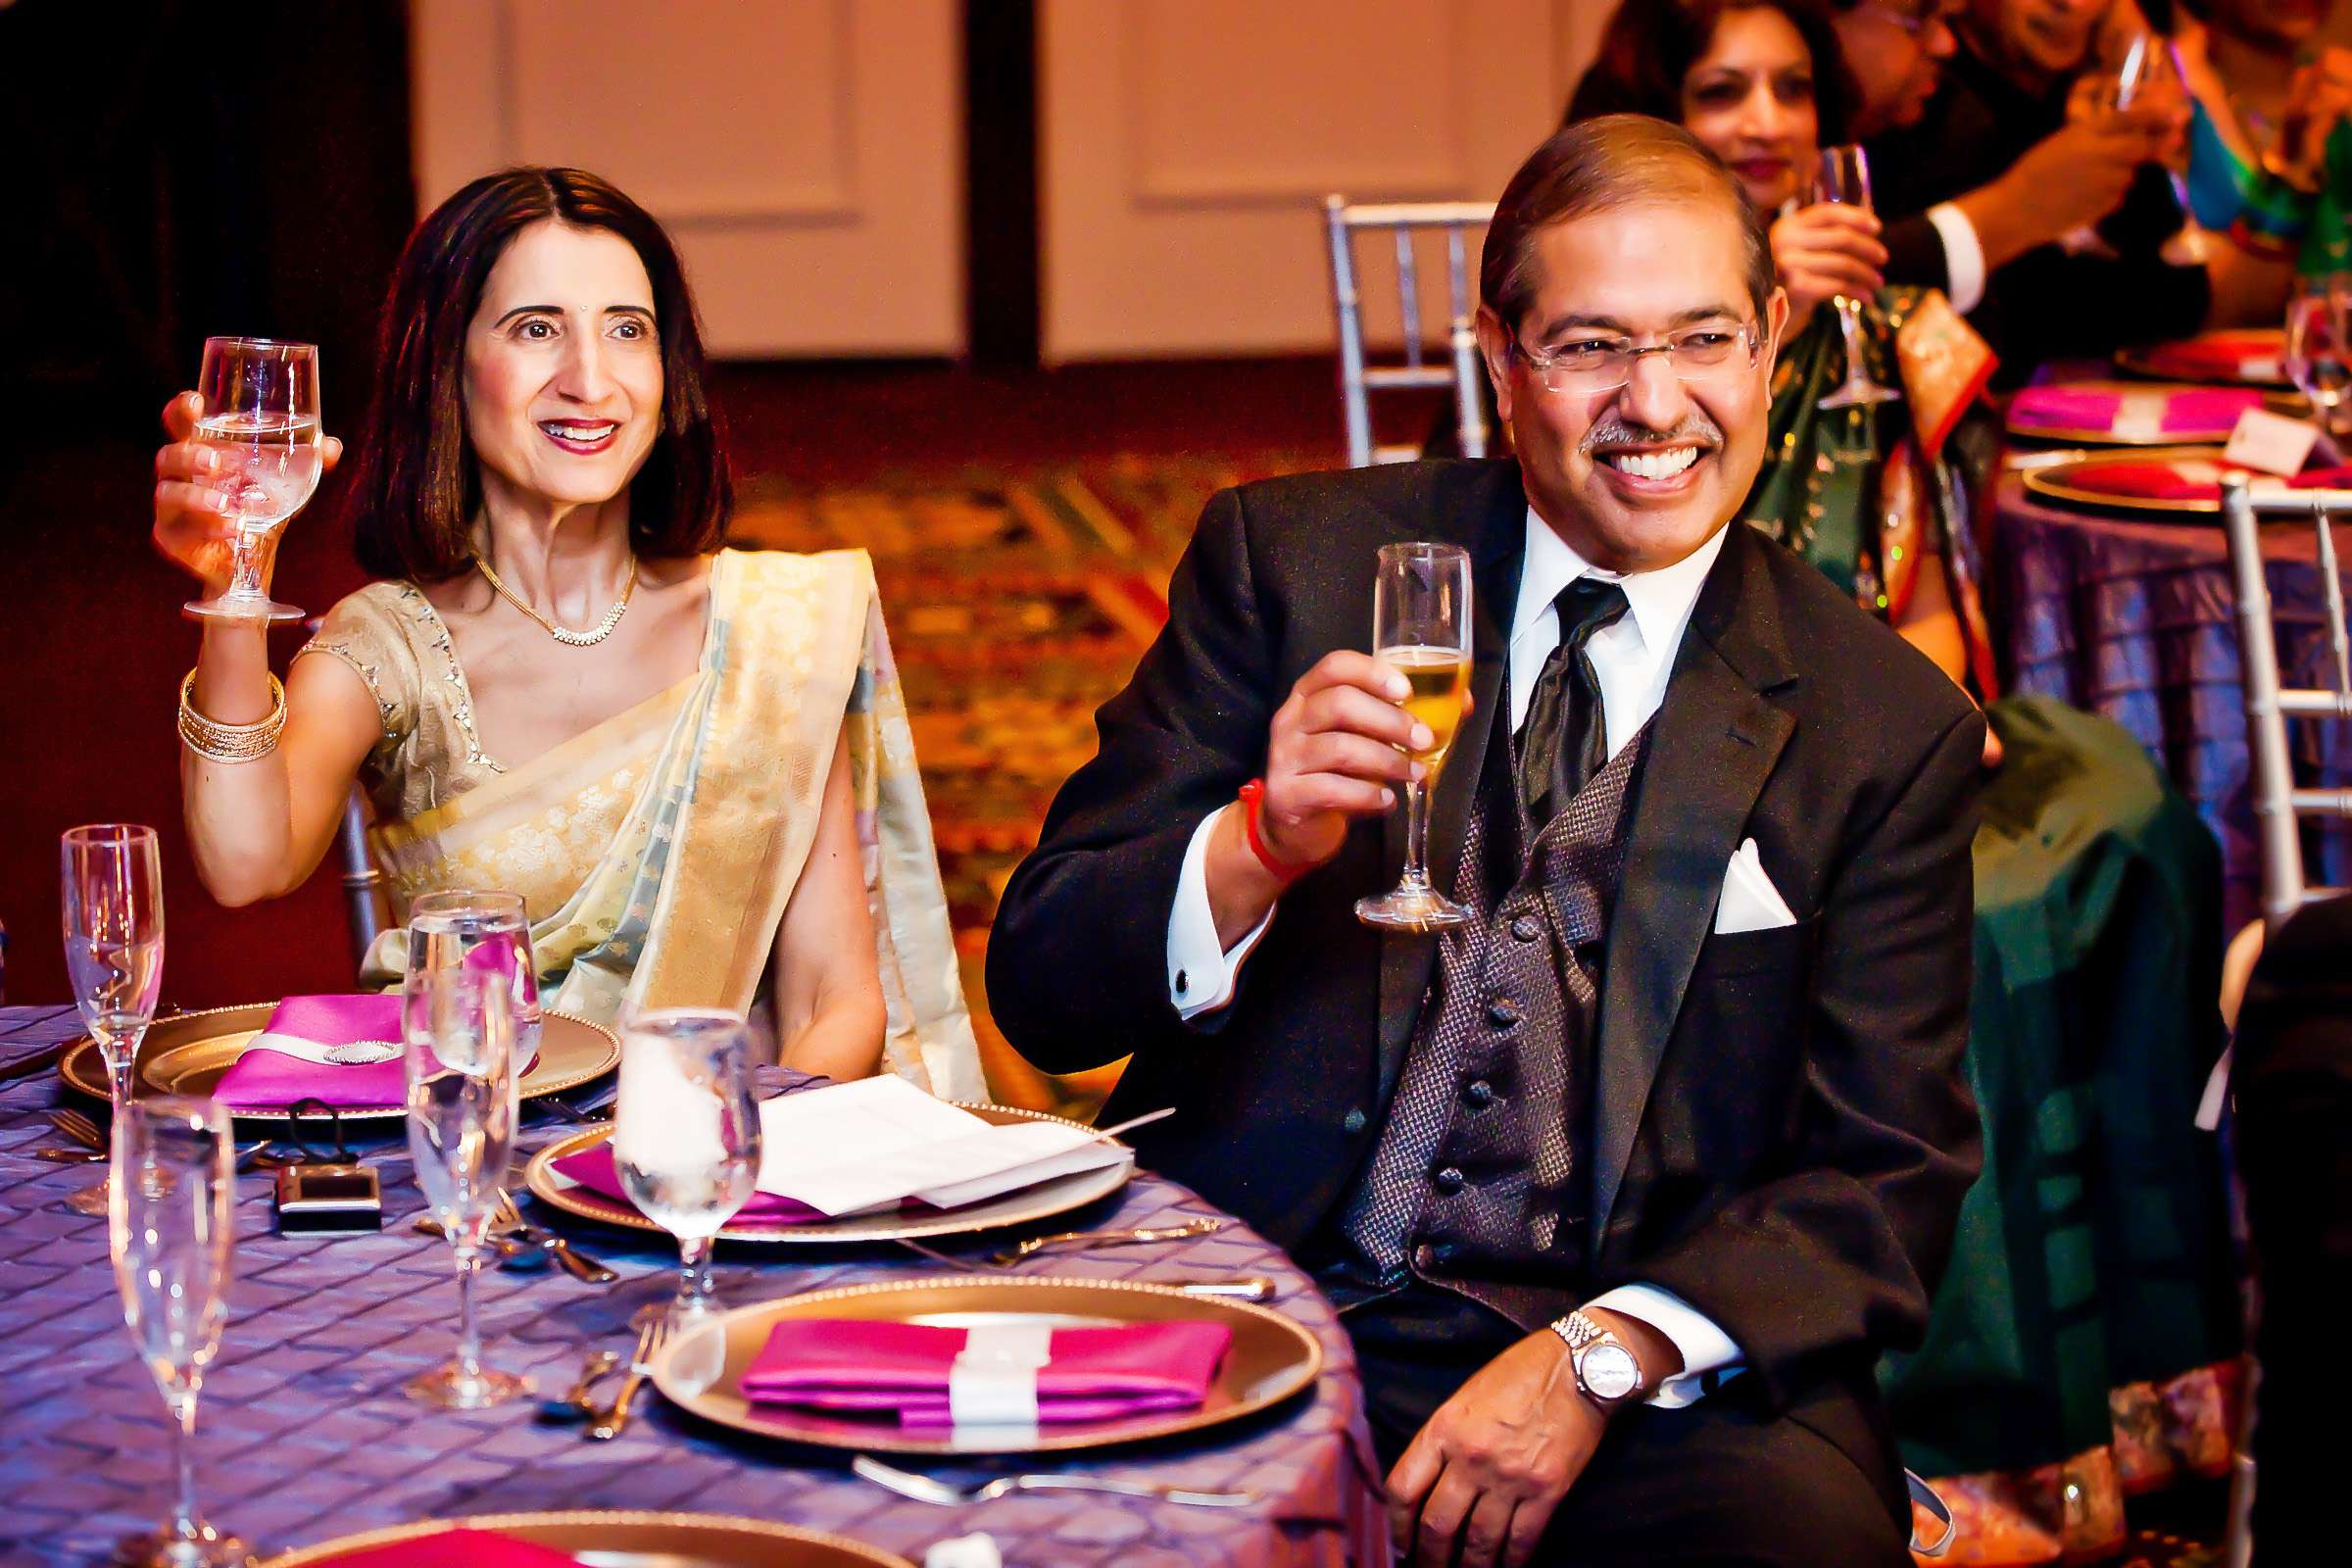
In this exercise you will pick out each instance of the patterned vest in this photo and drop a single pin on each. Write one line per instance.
(1478, 1182)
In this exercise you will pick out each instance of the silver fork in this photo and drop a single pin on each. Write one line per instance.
(579, 1265)
(78, 1127)
(924, 1489)
(650, 1338)
(1206, 1225)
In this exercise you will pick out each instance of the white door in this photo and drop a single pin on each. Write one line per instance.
(806, 155)
(1188, 144)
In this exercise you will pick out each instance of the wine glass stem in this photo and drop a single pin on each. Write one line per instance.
(183, 1466)
(251, 555)
(469, 1338)
(1416, 834)
(1849, 321)
(694, 1272)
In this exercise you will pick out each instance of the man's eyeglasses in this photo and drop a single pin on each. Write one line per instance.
(1917, 17)
(1602, 363)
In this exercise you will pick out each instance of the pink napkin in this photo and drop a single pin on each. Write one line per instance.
(2216, 356)
(1092, 1374)
(594, 1169)
(2203, 411)
(266, 1079)
(456, 1549)
(2162, 481)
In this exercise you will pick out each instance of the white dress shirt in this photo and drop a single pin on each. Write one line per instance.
(1631, 657)
(1963, 256)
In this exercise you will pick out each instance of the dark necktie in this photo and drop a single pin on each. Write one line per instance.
(1564, 741)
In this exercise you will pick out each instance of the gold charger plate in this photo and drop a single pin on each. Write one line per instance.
(187, 1052)
(1043, 1200)
(2147, 361)
(2291, 404)
(2061, 482)
(706, 1538)
(1271, 1359)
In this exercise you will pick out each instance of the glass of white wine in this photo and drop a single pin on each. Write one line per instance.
(1843, 177)
(172, 1230)
(1421, 627)
(686, 1134)
(261, 414)
(112, 881)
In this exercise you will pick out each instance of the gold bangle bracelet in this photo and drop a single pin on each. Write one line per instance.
(230, 743)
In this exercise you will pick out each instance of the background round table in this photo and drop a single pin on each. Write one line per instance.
(304, 1434)
(2133, 618)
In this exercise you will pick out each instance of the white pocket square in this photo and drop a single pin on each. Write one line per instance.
(1749, 901)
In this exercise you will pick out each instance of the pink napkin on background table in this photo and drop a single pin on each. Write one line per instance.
(266, 1079)
(2162, 481)
(2219, 356)
(2202, 411)
(848, 1366)
(456, 1549)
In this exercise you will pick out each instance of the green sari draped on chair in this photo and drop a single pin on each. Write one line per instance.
(2088, 1300)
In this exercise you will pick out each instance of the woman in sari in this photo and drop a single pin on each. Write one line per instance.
(692, 763)
(2078, 1346)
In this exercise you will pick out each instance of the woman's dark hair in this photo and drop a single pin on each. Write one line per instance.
(416, 485)
(1649, 46)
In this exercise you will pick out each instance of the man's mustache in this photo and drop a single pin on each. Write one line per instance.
(1696, 429)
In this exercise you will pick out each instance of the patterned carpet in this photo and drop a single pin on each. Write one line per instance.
(1019, 600)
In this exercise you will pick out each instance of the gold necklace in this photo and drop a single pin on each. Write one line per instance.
(569, 639)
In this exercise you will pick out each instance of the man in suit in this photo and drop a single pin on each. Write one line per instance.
(1623, 1186)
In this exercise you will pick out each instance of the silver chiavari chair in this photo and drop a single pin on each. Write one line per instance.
(362, 880)
(1358, 381)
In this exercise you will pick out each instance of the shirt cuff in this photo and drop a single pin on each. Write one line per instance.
(1963, 256)
(1708, 1355)
(1202, 975)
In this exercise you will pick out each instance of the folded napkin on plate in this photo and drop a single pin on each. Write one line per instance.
(1019, 1372)
(296, 1056)
(594, 1169)
(2166, 481)
(2202, 411)
(2252, 353)
(454, 1549)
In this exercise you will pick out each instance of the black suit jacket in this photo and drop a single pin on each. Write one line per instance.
(1782, 1134)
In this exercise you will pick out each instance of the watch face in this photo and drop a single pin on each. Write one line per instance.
(1608, 1372)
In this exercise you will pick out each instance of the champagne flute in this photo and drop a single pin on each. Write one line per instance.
(1843, 177)
(2149, 68)
(2319, 346)
(457, 1044)
(1421, 627)
(113, 922)
(171, 1226)
(477, 928)
(261, 414)
(686, 1134)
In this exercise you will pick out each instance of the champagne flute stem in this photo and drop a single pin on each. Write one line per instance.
(1849, 321)
(1416, 834)
(469, 1338)
(183, 1466)
(694, 1272)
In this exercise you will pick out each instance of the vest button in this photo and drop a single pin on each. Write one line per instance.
(1479, 1092)
(1354, 1121)
(1503, 1012)
(1448, 1180)
(1527, 928)
(1425, 1257)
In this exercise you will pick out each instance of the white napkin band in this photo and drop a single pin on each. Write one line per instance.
(993, 1381)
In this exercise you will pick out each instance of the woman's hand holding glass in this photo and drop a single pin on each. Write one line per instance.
(1826, 250)
(196, 496)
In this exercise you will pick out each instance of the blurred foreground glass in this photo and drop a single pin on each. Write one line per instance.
(1843, 177)
(459, 1029)
(475, 928)
(686, 1134)
(112, 881)
(1421, 627)
(171, 1226)
(260, 416)
(2319, 346)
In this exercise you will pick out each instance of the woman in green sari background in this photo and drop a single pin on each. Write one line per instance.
(2084, 1328)
(694, 763)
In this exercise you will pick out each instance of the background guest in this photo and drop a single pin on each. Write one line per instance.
(541, 453)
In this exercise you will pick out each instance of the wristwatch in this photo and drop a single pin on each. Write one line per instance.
(1607, 1372)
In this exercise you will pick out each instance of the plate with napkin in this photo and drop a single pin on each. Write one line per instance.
(341, 1050)
(875, 1159)
(2169, 482)
(589, 1539)
(2130, 414)
(987, 1364)
(2238, 356)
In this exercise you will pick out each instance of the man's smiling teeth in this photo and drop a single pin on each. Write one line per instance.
(1652, 465)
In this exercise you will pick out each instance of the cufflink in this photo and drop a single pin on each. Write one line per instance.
(1184, 982)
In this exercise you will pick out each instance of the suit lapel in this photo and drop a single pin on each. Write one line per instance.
(1714, 744)
(1497, 552)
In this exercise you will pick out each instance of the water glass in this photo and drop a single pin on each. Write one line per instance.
(261, 414)
(1421, 626)
(170, 1227)
(2319, 346)
(112, 881)
(459, 1029)
(1843, 177)
(475, 928)
(686, 1134)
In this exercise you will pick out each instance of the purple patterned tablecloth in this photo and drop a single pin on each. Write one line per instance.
(305, 1435)
(2134, 620)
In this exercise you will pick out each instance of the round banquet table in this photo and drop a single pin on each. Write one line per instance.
(304, 1434)
(2135, 619)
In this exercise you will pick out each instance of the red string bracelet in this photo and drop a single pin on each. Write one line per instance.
(1253, 795)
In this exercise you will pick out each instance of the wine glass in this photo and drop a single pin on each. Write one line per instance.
(171, 1226)
(1421, 627)
(459, 1030)
(2148, 69)
(686, 1134)
(261, 414)
(2319, 347)
(477, 928)
(1843, 177)
(113, 882)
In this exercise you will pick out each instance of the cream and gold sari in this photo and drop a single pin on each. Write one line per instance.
(656, 850)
